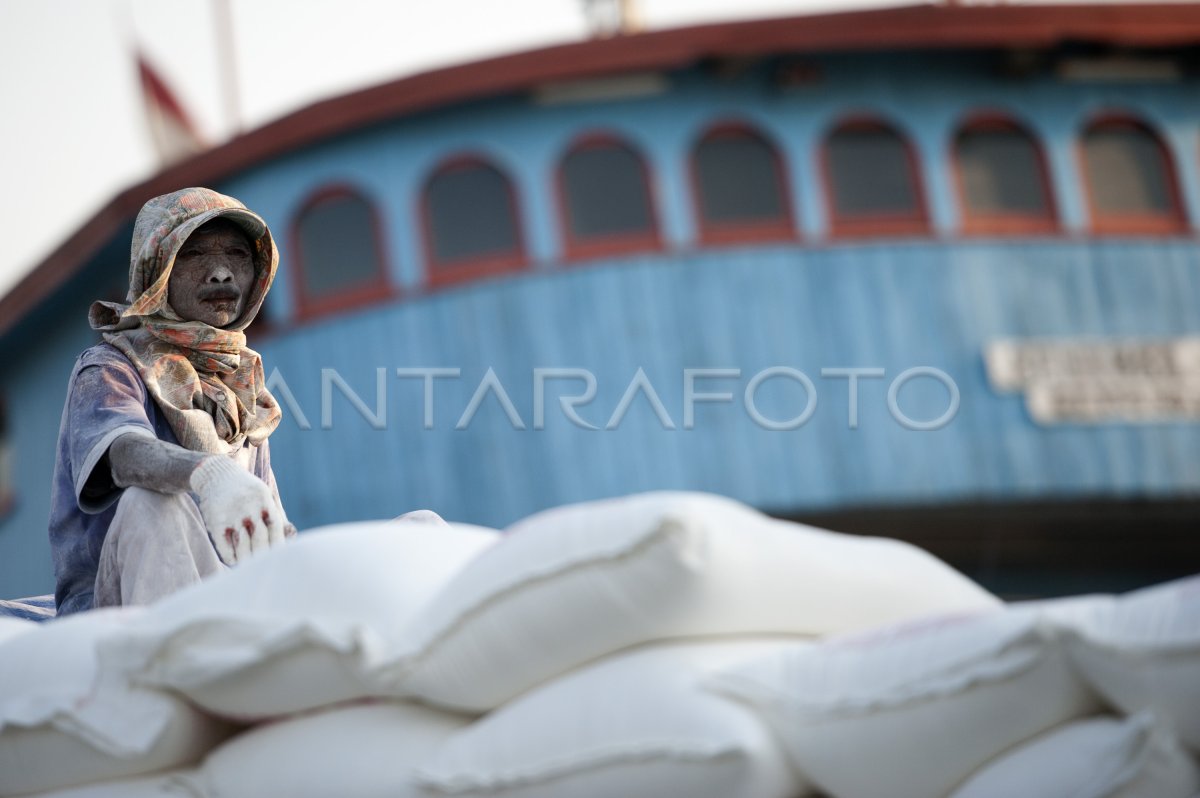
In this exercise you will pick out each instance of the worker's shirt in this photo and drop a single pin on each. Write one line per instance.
(106, 399)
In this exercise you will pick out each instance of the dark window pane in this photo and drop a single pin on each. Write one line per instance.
(738, 179)
(605, 192)
(870, 174)
(471, 214)
(1001, 172)
(337, 245)
(1126, 171)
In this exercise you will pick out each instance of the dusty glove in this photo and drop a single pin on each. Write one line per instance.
(240, 512)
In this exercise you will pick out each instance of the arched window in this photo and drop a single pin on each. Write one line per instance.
(1002, 178)
(471, 227)
(740, 190)
(872, 181)
(606, 200)
(1130, 178)
(339, 252)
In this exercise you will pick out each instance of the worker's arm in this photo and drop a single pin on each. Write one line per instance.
(146, 462)
(240, 511)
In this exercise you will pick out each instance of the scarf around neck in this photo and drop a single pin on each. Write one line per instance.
(209, 386)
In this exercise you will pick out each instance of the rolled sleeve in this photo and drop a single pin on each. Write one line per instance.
(106, 402)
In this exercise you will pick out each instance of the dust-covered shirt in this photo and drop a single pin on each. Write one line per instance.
(106, 399)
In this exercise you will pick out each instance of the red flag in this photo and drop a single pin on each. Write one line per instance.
(171, 128)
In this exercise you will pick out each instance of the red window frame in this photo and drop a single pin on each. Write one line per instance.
(440, 273)
(874, 224)
(717, 233)
(1169, 222)
(575, 248)
(376, 289)
(1003, 222)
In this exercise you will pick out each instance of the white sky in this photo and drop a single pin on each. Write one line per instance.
(73, 132)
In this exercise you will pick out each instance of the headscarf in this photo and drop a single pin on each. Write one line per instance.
(208, 384)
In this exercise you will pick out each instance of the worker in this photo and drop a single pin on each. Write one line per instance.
(163, 473)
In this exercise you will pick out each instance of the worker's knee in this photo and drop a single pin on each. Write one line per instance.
(140, 510)
(156, 545)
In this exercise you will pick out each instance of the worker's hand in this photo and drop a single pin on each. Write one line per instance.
(240, 512)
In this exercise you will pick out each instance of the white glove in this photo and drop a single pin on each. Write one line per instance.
(239, 510)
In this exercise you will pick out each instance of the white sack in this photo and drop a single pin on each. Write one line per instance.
(172, 784)
(911, 710)
(631, 725)
(11, 627)
(366, 751)
(1095, 758)
(1142, 651)
(63, 724)
(572, 584)
(298, 627)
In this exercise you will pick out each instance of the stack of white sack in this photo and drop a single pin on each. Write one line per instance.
(634, 724)
(63, 723)
(1141, 651)
(302, 627)
(1021, 701)
(575, 657)
(123, 692)
(577, 583)
(11, 627)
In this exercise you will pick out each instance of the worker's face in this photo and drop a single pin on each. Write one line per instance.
(212, 276)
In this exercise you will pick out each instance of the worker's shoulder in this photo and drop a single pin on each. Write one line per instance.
(104, 356)
(101, 354)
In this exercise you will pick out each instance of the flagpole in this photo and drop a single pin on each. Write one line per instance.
(227, 63)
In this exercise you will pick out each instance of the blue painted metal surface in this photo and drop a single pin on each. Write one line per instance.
(891, 306)
(810, 305)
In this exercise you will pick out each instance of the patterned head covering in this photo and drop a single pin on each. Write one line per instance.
(162, 227)
(209, 386)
